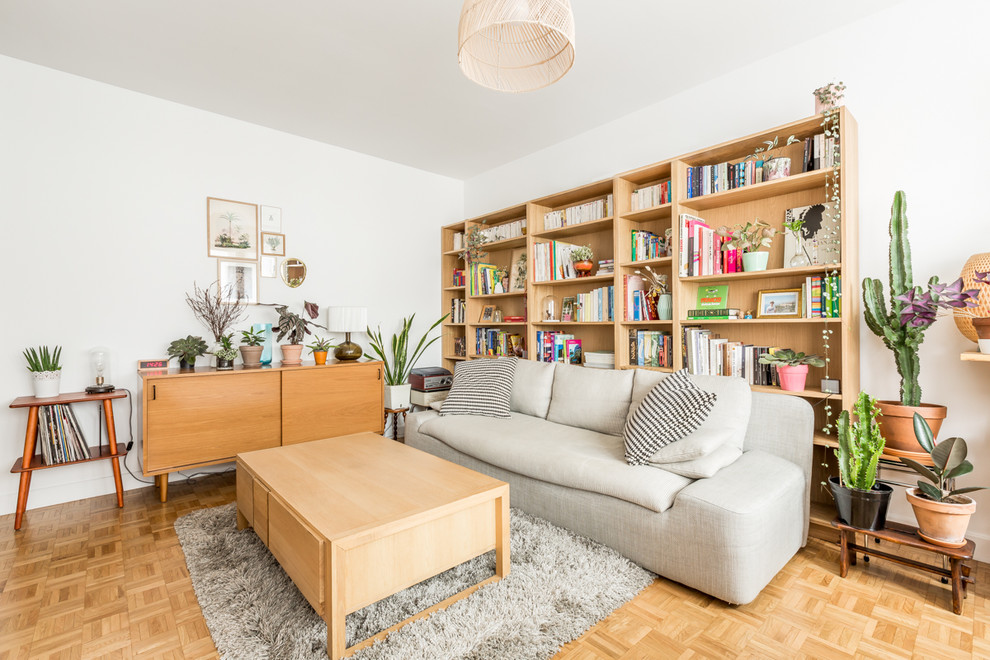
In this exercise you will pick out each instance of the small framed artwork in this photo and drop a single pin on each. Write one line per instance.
(487, 314)
(273, 244)
(269, 266)
(567, 309)
(238, 281)
(231, 229)
(779, 304)
(271, 219)
(517, 270)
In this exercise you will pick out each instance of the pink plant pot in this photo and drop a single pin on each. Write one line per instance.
(793, 379)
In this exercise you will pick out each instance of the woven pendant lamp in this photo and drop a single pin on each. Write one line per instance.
(516, 45)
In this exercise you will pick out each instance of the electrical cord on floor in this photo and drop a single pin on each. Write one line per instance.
(130, 438)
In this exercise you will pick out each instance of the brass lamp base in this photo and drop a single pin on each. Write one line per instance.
(347, 350)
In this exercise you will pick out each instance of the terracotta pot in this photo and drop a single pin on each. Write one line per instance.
(793, 378)
(251, 355)
(291, 354)
(320, 357)
(583, 268)
(941, 523)
(897, 427)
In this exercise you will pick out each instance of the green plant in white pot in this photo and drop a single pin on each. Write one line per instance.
(748, 239)
(397, 362)
(46, 368)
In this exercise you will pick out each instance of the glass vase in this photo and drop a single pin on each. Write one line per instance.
(266, 351)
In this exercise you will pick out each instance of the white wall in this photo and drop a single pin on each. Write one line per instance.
(103, 209)
(917, 85)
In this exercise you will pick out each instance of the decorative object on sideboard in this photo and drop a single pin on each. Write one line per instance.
(46, 370)
(251, 346)
(295, 327)
(859, 500)
(792, 367)
(942, 514)
(582, 258)
(232, 229)
(211, 307)
(827, 97)
(319, 349)
(902, 329)
(272, 244)
(187, 350)
(239, 281)
(976, 327)
(774, 166)
(293, 272)
(748, 239)
(99, 362)
(226, 353)
(513, 46)
(266, 345)
(347, 320)
(397, 362)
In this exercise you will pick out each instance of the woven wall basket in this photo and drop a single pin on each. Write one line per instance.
(978, 262)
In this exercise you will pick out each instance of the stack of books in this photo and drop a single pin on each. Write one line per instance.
(576, 215)
(606, 267)
(59, 435)
(599, 360)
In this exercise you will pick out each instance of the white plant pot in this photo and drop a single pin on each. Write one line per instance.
(984, 345)
(397, 396)
(46, 383)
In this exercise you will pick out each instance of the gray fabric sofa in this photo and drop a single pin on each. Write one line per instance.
(561, 451)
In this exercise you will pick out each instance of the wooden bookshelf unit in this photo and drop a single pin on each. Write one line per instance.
(609, 238)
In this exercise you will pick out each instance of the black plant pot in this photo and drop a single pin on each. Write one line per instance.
(186, 365)
(865, 509)
(225, 365)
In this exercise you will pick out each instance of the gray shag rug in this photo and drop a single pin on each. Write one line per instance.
(559, 586)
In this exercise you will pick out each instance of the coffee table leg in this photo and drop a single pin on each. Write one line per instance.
(334, 613)
(502, 563)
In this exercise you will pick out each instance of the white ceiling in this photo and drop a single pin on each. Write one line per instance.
(381, 77)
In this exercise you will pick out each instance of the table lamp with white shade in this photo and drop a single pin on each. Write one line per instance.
(347, 320)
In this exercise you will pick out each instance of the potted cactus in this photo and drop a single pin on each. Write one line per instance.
(792, 367)
(859, 500)
(251, 347)
(942, 514)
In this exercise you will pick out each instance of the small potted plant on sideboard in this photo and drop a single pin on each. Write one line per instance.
(226, 353)
(46, 369)
(251, 347)
(319, 349)
(187, 350)
(295, 327)
(792, 367)
(397, 363)
(859, 499)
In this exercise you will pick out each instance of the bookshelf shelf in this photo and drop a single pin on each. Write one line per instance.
(574, 230)
(974, 356)
(506, 243)
(652, 213)
(493, 324)
(454, 324)
(646, 323)
(578, 280)
(666, 370)
(659, 261)
(454, 288)
(511, 294)
(808, 394)
(454, 357)
(765, 274)
(572, 323)
(742, 322)
(95, 454)
(793, 183)
(451, 253)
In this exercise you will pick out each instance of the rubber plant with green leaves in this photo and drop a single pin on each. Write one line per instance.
(859, 499)
(941, 510)
(397, 361)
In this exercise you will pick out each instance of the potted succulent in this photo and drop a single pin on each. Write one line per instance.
(581, 258)
(859, 500)
(774, 167)
(397, 363)
(792, 367)
(187, 350)
(295, 327)
(226, 353)
(251, 347)
(319, 349)
(943, 515)
(748, 239)
(902, 328)
(46, 369)
(828, 96)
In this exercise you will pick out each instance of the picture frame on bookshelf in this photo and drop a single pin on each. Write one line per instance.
(242, 279)
(487, 314)
(271, 219)
(273, 244)
(817, 239)
(517, 271)
(779, 304)
(567, 309)
(231, 229)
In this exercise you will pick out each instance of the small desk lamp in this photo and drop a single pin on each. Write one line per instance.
(99, 361)
(347, 320)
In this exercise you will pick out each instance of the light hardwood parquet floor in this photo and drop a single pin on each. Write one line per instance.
(89, 580)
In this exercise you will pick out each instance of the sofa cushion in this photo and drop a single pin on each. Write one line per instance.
(732, 407)
(593, 399)
(532, 385)
(481, 387)
(704, 466)
(558, 454)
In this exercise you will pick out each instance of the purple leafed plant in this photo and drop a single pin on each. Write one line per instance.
(921, 307)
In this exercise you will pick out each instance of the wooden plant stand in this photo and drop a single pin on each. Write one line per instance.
(394, 412)
(957, 574)
(31, 461)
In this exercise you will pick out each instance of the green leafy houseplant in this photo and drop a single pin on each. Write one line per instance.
(187, 349)
(226, 350)
(789, 358)
(859, 499)
(397, 363)
(767, 153)
(252, 337)
(293, 325)
(582, 253)
(749, 237)
(43, 359)
(948, 462)
(320, 345)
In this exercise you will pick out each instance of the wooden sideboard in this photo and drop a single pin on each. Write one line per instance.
(192, 418)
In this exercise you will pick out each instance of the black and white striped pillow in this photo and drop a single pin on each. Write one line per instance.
(481, 387)
(672, 410)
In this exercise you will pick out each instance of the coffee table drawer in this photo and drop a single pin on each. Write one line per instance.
(298, 549)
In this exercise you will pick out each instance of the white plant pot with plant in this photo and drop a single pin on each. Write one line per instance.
(748, 239)
(397, 396)
(46, 369)
(397, 363)
(774, 166)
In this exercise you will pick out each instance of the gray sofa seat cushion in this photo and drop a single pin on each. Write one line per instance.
(532, 385)
(558, 454)
(594, 399)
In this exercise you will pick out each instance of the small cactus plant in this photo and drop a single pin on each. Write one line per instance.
(860, 444)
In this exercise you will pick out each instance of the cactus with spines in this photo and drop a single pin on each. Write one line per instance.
(860, 444)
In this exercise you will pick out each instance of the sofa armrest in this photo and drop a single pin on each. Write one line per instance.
(414, 421)
(784, 426)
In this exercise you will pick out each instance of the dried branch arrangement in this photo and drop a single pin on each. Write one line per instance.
(213, 307)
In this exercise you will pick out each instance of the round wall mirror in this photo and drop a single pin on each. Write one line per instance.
(293, 272)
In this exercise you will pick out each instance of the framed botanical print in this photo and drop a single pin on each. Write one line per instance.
(517, 270)
(232, 229)
(238, 280)
(271, 219)
(273, 244)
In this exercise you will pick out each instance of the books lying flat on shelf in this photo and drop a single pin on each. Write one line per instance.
(576, 215)
(650, 348)
(606, 267)
(552, 261)
(457, 308)
(650, 196)
(819, 235)
(599, 359)
(492, 341)
(647, 245)
(707, 354)
(59, 435)
(701, 314)
(505, 231)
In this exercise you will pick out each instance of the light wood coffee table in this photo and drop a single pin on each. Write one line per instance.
(356, 518)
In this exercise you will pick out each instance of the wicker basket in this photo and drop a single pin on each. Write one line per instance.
(978, 262)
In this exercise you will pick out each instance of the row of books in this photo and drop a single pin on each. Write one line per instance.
(596, 305)
(552, 261)
(481, 280)
(558, 347)
(822, 296)
(700, 248)
(650, 348)
(505, 231)
(819, 152)
(705, 353)
(492, 341)
(59, 435)
(647, 245)
(457, 308)
(650, 196)
(458, 277)
(576, 215)
(639, 305)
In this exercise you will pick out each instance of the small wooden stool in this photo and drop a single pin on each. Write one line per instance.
(394, 412)
(958, 573)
